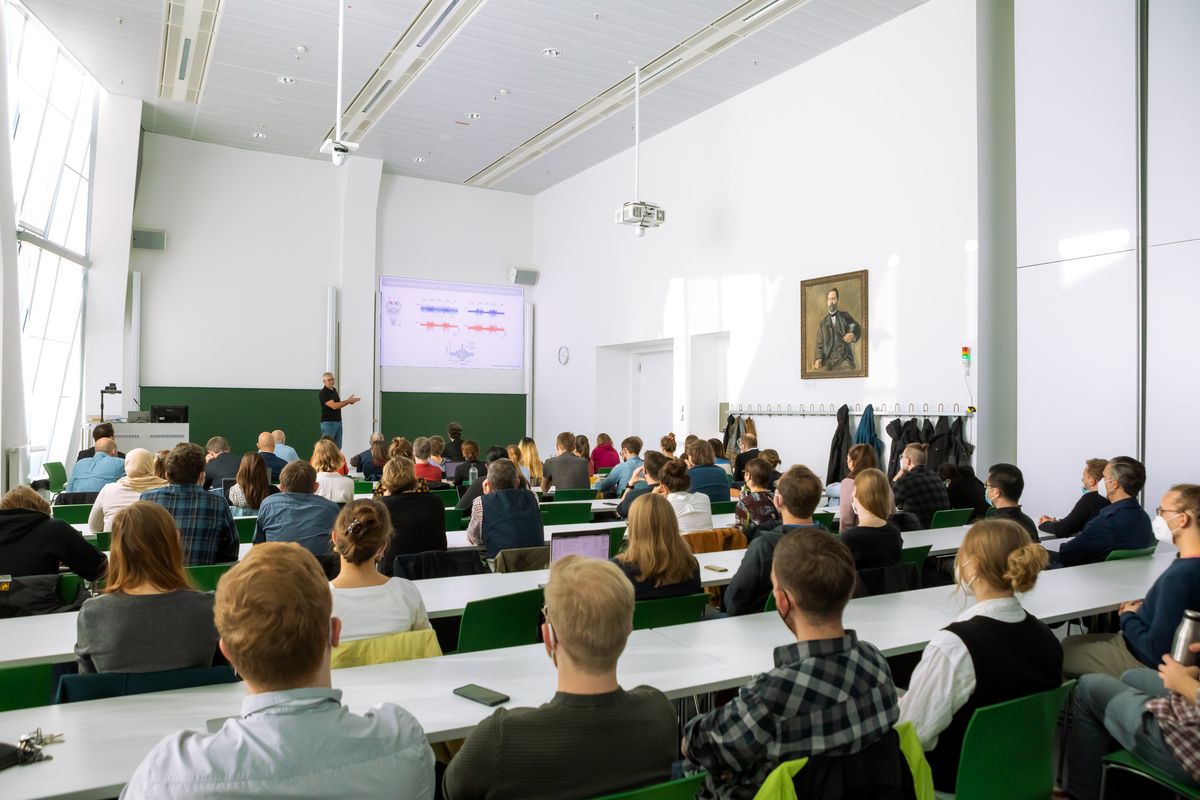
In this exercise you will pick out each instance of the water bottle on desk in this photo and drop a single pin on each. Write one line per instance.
(472, 474)
(1187, 633)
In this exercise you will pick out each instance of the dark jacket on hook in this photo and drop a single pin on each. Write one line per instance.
(865, 433)
(926, 431)
(939, 444)
(839, 447)
(903, 434)
(960, 448)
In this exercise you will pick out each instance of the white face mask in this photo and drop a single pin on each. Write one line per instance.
(1102, 488)
(963, 584)
(1162, 530)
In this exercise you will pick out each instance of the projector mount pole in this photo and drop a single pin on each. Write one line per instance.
(337, 112)
(637, 125)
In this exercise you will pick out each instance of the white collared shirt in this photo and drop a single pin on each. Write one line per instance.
(693, 509)
(945, 679)
(298, 743)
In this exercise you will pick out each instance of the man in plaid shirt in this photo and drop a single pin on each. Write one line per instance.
(205, 525)
(828, 694)
(917, 489)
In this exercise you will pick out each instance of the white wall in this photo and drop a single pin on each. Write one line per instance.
(866, 152)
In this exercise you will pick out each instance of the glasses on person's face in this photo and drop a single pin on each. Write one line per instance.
(1158, 512)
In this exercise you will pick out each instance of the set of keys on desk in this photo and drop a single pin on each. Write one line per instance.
(31, 746)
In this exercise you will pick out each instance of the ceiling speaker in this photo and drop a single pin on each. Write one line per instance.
(149, 240)
(523, 277)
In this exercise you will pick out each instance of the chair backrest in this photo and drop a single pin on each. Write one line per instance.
(616, 541)
(204, 577)
(505, 621)
(103, 541)
(902, 577)
(27, 686)
(685, 788)
(245, 528)
(449, 497)
(564, 495)
(57, 475)
(915, 556)
(1118, 555)
(951, 517)
(454, 519)
(770, 604)
(523, 559)
(668, 611)
(439, 564)
(1014, 739)
(385, 649)
(100, 685)
(74, 513)
(1127, 762)
(604, 470)
(716, 540)
(565, 513)
(723, 506)
(75, 498)
(824, 519)
(364, 487)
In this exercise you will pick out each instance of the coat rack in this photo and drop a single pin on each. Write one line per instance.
(831, 410)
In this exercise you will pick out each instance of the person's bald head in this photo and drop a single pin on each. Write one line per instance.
(279, 436)
(106, 446)
(266, 442)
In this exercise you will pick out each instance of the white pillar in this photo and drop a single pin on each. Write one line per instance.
(12, 401)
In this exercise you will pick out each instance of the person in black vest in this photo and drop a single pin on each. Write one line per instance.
(454, 445)
(1090, 503)
(475, 490)
(506, 516)
(1003, 489)
(995, 651)
(219, 463)
(749, 449)
(418, 517)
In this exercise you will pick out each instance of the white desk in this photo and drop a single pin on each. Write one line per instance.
(458, 539)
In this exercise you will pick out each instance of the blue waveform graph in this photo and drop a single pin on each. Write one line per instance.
(491, 312)
(439, 309)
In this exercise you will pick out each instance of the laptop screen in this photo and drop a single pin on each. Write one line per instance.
(593, 545)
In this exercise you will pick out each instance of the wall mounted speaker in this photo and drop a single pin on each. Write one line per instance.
(522, 277)
(149, 240)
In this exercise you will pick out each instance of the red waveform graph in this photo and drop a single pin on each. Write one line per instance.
(486, 328)
(443, 325)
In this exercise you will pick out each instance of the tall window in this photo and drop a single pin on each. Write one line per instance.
(52, 107)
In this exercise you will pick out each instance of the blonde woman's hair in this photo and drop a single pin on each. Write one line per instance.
(873, 492)
(400, 447)
(655, 546)
(514, 454)
(145, 550)
(530, 459)
(26, 498)
(1002, 554)
(361, 530)
(589, 603)
(326, 456)
(399, 475)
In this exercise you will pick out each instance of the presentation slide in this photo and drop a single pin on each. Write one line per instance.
(438, 324)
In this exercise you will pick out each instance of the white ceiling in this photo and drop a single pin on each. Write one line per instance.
(119, 42)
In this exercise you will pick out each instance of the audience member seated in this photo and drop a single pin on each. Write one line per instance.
(418, 517)
(266, 449)
(593, 738)
(139, 477)
(964, 489)
(368, 603)
(505, 516)
(475, 490)
(531, 461)
(583, 449)
(993, 652)
(859, 457)
(605, 456)
(874, 542)
(773, 460)
(293, 737)
(667, 445)
(614, 483)
(343, 465)
(253, 483)
(1091, 501)
(705, 476)
(282, 449)
(219, 463)
(643, 480)
(422, 451)
(453, 450)
(747, 449)
(34, 543)
(694, 510)
(1003, 489)
(400, 446)
(514, 455)
(102, 431)
(720, 458)
(565, 470)
(149, 619)
(469, 458)
(160, 463)
(437, 453)
(657, 560)
(829, 693)
(331, 485)
(297, 514)
(205, 524)
(1121, 525)
(1148, 626)
(93, 474)
(756, 507)
(370, 461)
(916, 488)
(796, 497)
(1153, 715)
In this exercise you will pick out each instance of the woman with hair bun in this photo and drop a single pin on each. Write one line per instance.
(368, 603)
(993, 652)
(693, 509)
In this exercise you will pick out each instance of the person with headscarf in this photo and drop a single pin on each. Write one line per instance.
(139, 477)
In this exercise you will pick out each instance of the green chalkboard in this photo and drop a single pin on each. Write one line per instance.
(490, 419)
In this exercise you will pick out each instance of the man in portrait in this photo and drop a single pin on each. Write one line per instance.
(836, 331)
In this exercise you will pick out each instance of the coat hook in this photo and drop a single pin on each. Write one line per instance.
(925, 409)
(941, 407)
(911, 408)
(956, 408)
(857, 407)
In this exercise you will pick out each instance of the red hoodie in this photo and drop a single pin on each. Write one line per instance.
(605, 456)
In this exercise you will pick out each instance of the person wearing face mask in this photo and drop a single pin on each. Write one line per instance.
(918, 490)
(1003, 489)
(1122, 525)
(993, 652)
(1091, 501)
(874, 542)
(1148, 626)
(593, 738)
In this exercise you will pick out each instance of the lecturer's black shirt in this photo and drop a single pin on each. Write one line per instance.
(330, 414)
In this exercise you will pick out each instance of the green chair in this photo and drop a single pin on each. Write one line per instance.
(26, 686)
(74, 513)
(68, 587)
(566, 513)
(506, 621)
(723, 506)
(685, 788)
(454, 519)
(1014, 739)
(1126, 761)
(1120, 555)
(449, 497)
(824, 519)
(950, 518)
(245, 528)
(668, 611)
(363, 487)
(604, 470)
(616, 541)
(563, 495)
(57, 475)
(770, 604)
(205, 577)
(99, 686)
(102, 541)
(915, 556)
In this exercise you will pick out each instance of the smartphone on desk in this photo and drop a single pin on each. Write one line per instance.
(716, 568)
(481, 695)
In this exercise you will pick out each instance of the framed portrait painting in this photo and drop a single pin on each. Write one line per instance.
(834, 326)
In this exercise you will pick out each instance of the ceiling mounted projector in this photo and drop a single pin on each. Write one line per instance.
(338, 151)
(337, 148)
(637, 212)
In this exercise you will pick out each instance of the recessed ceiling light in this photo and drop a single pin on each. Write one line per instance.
(257, 135)
(286, 81)
(418, 159)
(552, 52)
(274, 100)
(504, 91)
(471, 115)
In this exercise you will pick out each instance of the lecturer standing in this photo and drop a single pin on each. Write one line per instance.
(331, 409)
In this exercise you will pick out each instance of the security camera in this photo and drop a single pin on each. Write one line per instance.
(338, 151)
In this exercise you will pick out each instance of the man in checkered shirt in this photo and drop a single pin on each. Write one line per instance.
(206, 529)
(828, 694)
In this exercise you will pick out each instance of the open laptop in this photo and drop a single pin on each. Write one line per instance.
(586, 543)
